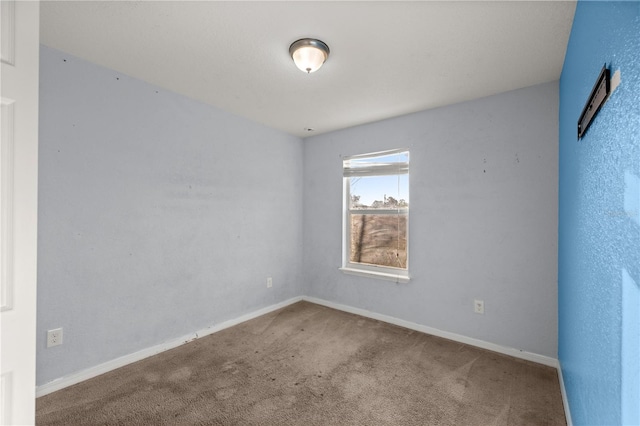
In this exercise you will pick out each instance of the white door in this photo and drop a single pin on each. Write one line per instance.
(18, 208)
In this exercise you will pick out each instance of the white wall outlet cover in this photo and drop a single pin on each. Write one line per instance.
(54, 337)
(478, 306)
(269, 282)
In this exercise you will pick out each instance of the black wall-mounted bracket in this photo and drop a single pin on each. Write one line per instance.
(599, 95)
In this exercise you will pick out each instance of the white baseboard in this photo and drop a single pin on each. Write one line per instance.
(565, 400)
(89, 373)
(517, 353)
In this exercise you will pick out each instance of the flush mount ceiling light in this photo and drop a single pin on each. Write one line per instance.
(309, 54)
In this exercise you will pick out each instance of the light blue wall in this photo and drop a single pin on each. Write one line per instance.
(599, 226)
(158, 215)
(483, 220)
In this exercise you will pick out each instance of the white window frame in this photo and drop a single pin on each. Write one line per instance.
(398, 275)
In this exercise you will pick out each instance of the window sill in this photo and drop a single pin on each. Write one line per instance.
(379, 275)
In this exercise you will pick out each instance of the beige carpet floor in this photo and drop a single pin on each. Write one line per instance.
(311, 365)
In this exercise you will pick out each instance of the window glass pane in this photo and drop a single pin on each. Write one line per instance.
(379, 239)
(379, 192)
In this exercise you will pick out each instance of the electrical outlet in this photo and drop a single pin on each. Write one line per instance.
(478, 306)
(269, 282)
(54, 337)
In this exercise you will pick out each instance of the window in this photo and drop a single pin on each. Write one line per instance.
(376, 215)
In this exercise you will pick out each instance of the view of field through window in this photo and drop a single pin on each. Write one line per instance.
(379, 240)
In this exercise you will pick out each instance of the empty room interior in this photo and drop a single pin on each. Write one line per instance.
(436, 222)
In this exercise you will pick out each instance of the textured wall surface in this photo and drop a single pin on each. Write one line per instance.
(599, 230)
(158, 215)
(483, 219)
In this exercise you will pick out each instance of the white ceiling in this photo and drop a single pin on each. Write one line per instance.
(387, 58)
